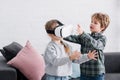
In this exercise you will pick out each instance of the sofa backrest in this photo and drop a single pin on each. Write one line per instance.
(112, 62)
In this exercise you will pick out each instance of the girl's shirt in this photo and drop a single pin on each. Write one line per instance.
(57, 60)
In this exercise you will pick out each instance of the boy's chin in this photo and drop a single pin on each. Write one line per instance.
(93, 32)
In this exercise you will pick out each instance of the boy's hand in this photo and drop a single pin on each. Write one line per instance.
(75, 55)
(79, 30)
(92, 55)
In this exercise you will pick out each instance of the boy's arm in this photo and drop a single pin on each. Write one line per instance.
(98, 43)
(73, 38)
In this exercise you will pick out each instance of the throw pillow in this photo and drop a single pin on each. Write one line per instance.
(11, 50)
(29, 62)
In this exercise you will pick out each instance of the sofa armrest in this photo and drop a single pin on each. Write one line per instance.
(112, 62)
(7, 72)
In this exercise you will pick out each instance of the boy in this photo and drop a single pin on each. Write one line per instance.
(93, 69)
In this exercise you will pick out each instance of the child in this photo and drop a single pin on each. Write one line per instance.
(58, 57)
(93, 69)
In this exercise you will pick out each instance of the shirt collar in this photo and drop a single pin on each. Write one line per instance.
(96, 34)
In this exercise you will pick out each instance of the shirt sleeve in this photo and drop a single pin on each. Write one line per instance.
(97, 43)
(85, 39)
(52, 57)
(73, 38)
(84, 58)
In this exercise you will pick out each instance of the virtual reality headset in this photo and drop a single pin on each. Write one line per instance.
(61, 30)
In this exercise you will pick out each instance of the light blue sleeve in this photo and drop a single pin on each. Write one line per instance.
(75, 70)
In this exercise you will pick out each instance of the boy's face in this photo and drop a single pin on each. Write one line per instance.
(95, 26)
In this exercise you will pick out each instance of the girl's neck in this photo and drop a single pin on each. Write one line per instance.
(57, 41)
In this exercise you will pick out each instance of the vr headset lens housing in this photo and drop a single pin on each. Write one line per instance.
(61, 31)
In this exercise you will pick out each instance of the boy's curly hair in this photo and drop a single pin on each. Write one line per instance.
(102, 18)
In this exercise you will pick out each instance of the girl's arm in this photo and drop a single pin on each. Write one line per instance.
(86, 57)
(52, 57)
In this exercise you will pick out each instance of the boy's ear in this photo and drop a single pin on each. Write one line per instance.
(102, 28)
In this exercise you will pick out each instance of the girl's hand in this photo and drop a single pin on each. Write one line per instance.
(79, 29)
(75, 55)
(92, 55)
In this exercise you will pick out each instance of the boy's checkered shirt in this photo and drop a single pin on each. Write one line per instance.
(94, 41)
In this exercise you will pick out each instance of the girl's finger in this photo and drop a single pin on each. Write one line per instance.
(94, 51)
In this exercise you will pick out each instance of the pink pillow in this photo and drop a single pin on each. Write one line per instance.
(29, 62)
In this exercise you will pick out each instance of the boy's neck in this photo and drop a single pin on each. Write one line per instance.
(95, 32)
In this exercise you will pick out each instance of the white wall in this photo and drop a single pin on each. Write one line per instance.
(22, 20)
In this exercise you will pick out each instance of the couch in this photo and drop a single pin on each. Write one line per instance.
(112, 65)
(7, 72)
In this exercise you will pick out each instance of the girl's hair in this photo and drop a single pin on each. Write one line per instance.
(66, 47)
(52, 24)
(102, 18)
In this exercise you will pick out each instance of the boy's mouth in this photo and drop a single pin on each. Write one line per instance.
(91, 27)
